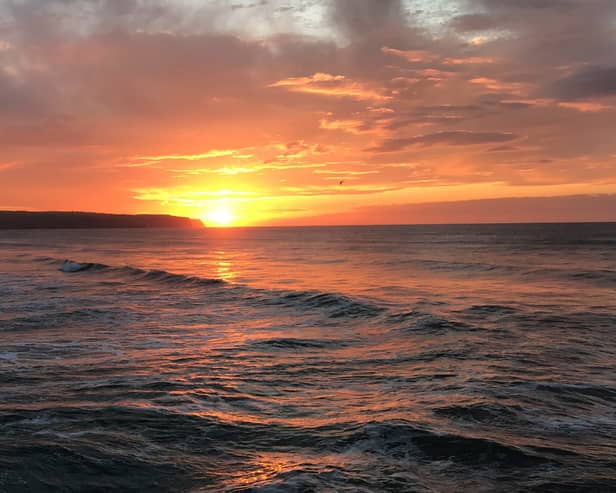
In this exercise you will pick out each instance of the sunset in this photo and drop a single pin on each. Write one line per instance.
(307, 112)
(307, 246)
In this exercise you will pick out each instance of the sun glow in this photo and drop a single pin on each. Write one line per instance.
(220, 216)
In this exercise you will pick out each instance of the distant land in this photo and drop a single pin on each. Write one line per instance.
(86, 220)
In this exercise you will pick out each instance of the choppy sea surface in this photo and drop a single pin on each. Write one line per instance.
(338, 359)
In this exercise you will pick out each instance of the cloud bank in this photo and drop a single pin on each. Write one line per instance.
(475, 98)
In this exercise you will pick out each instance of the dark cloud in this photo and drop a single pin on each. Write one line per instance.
(237, 6)
(504, 148)
(541, 34)
(530, 4)
(447, 115)
(474, 22)
(589, 82)
(453, 138)
(363, 18)
(512, 209)
(20, 98)
(515, 105)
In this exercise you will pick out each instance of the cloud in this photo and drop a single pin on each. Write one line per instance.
(189, 157)
(579, 208)
(586, 106)
(253, 168)
(367, 18)
(345, 172)
(413, 56)
(447, 138)
(562, 5)
(436, 115)
(123, 95)
(4, 166)
(590, 82)
(318, 191)
(425, 56)
(504, 148)
(351, 126)
(473, 22)
(471, 60)
(189, 197)
(500, 85)
(330, 85)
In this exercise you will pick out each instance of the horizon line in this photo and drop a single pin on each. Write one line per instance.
(263, 226)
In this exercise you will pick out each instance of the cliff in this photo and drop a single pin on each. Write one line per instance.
(83, 220)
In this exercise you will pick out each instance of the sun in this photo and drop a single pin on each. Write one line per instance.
(220, 217)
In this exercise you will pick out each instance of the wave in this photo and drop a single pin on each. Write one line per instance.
(490, 310)
(53, 319)
(334, 304)
(129, 446)
(391, 438)
(483, 413)
(579, 392)
(72, 267)
(600, 320)
(421, 322)
(337, 305)
(600, 276)
(401, 438)
(474, 267)
(287, 343)
(110, 449)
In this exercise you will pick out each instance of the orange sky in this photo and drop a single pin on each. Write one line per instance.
(308, 112)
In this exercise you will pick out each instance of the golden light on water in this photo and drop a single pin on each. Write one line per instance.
(224, 267)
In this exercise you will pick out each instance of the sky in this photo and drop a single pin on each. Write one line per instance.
(272, 112)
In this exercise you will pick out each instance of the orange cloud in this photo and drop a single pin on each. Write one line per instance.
(4, 166)
(413, 56)
(330, 85)
(351, 126)
(188, 196)
(346, 174)
(499, 85)
(425, 56)
(473, 60)
(188, 157)
(585, 106)
(243, 170)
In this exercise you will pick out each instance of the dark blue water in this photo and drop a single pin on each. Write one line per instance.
(343, 359)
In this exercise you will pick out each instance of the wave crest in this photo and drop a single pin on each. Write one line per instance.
(337, 305)
(156, 275)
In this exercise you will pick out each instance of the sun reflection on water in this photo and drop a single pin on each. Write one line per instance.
(223, 266)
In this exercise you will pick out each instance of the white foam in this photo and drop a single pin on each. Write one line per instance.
(70, 266)
(8, 356)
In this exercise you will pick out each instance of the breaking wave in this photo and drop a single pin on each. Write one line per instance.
(71, 266)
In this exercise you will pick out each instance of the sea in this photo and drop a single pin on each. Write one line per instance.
(455, 358)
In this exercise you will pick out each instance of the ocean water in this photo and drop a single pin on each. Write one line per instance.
(338, 359)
